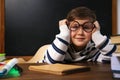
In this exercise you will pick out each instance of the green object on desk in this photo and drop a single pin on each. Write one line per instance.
(2, 57)
(13, 73)
(2, 54)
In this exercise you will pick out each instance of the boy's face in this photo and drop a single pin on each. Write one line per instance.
(81, 35)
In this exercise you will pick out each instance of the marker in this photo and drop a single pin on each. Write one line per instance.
(6, 68)
(2, 72)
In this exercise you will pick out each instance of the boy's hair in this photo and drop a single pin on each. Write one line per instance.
(81, 13)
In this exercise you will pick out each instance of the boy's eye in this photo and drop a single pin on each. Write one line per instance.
(75, 25)
(74, 28)
(88, 26)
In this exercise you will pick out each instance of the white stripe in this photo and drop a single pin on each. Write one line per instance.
(60, 45)
(55, 55)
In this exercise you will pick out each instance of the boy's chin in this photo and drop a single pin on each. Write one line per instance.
(80, 44)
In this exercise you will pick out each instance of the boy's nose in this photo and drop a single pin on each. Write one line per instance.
(80, 30)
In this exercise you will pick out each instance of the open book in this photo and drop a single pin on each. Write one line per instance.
(59, 69)
(115, 39)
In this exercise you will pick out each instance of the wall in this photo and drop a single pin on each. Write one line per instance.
(30, 24)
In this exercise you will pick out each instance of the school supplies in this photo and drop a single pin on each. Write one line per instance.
(59, 69)
(2, 57)
(6, 68)
(14, 72)
(9, 68)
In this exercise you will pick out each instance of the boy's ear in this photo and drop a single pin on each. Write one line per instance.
(67, 23)
(97, 25)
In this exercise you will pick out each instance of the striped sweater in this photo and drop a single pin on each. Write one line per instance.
(61, 50)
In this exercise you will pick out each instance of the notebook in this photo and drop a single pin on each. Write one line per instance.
(59, 69)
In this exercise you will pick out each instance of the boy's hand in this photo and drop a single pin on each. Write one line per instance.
(64, 31)
(97, 26)
(63, 22)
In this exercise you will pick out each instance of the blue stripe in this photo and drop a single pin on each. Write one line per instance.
(104, 44)
(93, 54)
(70, 54)
(96, 56)
(113, 50)
(50, 59)
(63, 41)
(116, 71)
(57, 49)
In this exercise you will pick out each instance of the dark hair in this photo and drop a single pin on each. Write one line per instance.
(81, 13)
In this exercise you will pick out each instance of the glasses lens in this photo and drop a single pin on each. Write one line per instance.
(74, 26)
(88, 27)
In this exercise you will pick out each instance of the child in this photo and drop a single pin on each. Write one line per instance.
(79, 39)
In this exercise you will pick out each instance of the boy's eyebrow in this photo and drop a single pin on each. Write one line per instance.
(82, 23)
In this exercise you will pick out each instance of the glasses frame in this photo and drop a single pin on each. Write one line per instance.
(82, 25)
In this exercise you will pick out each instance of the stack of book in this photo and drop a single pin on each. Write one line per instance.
(115, 39)
(9, 68)
(115, 66)
(2, 57)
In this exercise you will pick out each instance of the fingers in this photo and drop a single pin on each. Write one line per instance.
(97, 25)
(63, 22)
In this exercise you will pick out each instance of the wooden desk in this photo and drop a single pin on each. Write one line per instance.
(98, 71)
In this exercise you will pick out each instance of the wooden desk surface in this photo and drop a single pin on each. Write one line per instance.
(98, 71)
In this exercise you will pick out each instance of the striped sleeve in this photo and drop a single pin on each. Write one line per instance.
(103, 43)
(57, 50)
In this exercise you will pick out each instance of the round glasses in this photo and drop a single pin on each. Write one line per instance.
(87, 26)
